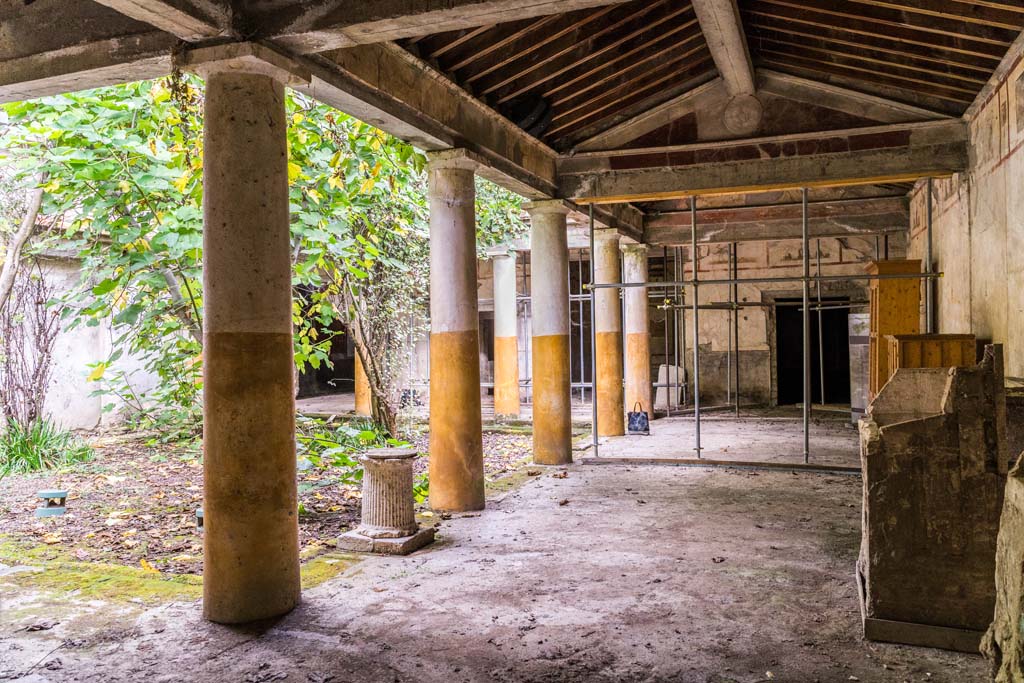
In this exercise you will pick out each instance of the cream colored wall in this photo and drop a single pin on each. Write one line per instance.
(978, 229)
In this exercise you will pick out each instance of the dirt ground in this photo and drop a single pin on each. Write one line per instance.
(599, 573)
(135, 505)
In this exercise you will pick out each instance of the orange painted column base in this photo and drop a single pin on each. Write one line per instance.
(552, 412)
(362, 390)
(611, 415)
(638, 371)
(251, 537)
(506, 377)
(456, 443)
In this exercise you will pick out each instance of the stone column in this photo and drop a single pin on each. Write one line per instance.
(251, 547)
(363, 407)
(638, 335)
(549, 273)
(456, 445)
(506, 342)
(608, 337)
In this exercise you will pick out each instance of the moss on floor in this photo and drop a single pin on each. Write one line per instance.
(55, 573)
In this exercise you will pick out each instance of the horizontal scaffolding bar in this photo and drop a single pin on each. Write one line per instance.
(770, 280)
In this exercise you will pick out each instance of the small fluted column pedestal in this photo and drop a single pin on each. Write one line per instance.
(388, 523)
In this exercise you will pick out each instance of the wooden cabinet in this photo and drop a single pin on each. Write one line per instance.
(895, 309)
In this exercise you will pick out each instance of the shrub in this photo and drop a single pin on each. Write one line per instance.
(40, 446)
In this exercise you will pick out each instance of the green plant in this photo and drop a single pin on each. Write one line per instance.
(337, 446)
(40, 446)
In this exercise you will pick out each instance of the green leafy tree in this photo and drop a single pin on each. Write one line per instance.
(123, 166)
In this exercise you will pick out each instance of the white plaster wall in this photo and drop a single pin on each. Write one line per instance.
(68, 399)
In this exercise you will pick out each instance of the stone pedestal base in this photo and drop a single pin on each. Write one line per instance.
(357, 542)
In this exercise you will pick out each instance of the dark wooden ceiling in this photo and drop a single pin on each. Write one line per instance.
(567, 77)
(935, 53)
(561, 76)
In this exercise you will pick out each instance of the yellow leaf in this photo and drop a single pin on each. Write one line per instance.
(294, 171)
(97, 372)
(148, 567)
(50, 539)
(367, 185)
(182, 182)
(297, 118)
(376, 169)
(124, 186)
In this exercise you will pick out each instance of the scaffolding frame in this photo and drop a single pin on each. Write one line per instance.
(694, 283)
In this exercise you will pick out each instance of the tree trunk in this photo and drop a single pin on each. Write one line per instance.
(12, 258)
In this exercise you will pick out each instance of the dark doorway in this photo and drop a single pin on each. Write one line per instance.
(789, 352)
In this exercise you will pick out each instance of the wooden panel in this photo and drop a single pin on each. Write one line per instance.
(930, 351)
(895, 306)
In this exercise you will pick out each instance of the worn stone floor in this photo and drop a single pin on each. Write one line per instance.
(612, 573)
(758, 435)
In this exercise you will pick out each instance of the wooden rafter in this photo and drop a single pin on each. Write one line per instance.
(763, 27)
(897, 64)
(575, 45)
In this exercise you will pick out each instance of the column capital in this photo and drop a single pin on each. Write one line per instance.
(250, 58)
(500, 252)
(543, 206)
(454, 159)
(634, 247)
(607, 235)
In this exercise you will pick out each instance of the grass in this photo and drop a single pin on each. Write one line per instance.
(40, 446)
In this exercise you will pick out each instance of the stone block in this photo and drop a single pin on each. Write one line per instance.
(357, 542)
(933, 459)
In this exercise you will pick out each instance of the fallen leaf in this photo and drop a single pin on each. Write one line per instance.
(148, 567)
(564, 501)
(560, 475)
(718, 560)
(52, 538)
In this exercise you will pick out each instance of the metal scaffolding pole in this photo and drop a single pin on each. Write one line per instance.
(676, 253)
(728, 353)
(807, 329)
(696, 326)
(593, 346)
(736, 321)
(821, 338)
(929, 290)
(664, 294)
(579, 305)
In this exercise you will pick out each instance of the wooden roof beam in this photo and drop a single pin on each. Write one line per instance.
(307, 27)
(723, 30)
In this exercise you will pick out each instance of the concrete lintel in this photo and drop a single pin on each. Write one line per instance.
(777, 230)
(244, 58)
(897, 154)
(189, 20)
(334, 24)
(455, 158)
(389, 88)
(84, 66)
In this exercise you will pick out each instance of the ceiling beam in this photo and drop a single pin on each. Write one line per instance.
(723, 30)
(391, 89)
(656, 117)
(882, 154)
(190, 20)
(307, 27)
(780, 229)
(842, 99)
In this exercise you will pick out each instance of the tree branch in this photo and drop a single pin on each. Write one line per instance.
(12, 258)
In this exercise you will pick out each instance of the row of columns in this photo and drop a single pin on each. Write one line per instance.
(251, 548)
